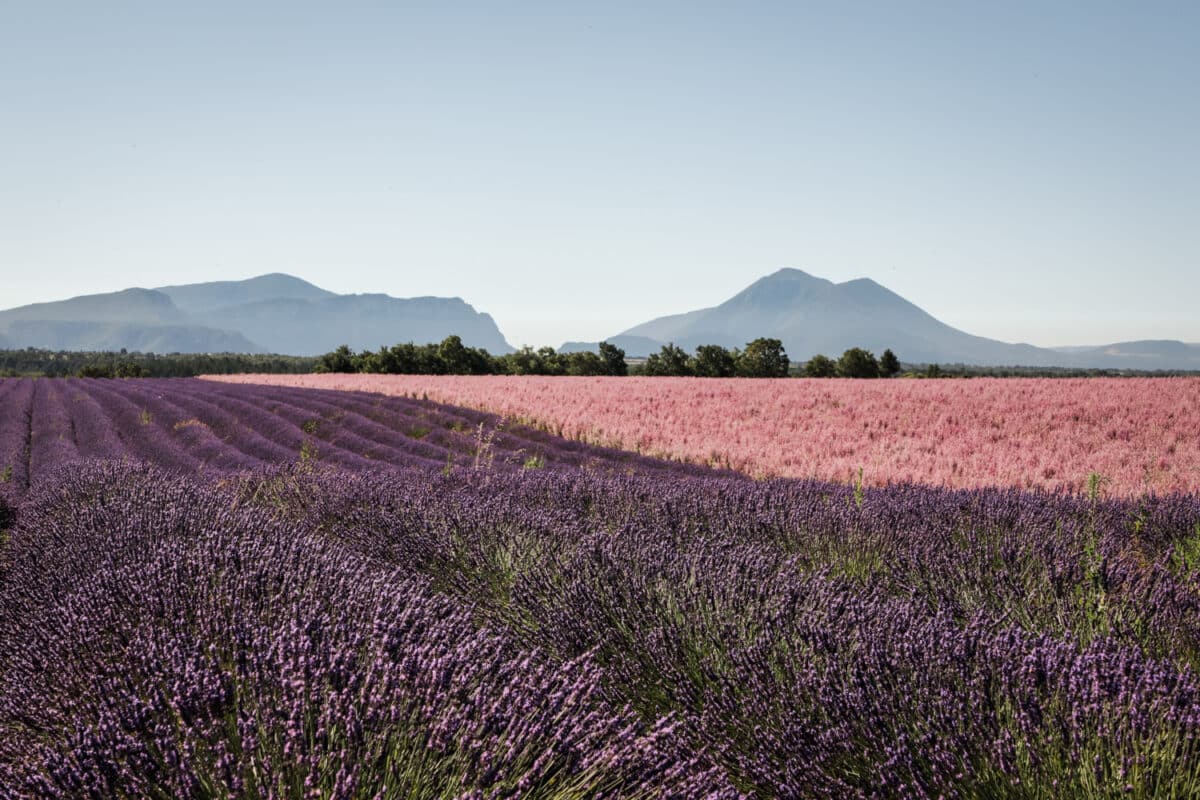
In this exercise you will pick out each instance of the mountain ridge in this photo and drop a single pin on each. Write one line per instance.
(812, 315)
(281, 313)
(275, 312)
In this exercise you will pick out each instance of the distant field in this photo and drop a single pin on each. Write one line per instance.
(196, 426)
(1140, 435)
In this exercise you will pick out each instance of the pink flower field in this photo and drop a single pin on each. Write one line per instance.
(1139, 434)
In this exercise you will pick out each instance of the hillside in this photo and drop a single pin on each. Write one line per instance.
(271, 313)
(813, 315)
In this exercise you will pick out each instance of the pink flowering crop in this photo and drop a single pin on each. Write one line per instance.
(1138, 434)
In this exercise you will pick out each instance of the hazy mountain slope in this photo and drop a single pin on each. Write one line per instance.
(271, 313)
(1141, 354)
(127, 306)
(634, 346)
(85, 335)
(814, 315)
(201, 297)
(308, 327)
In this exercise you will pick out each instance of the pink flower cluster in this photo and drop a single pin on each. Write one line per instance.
(1138, 434)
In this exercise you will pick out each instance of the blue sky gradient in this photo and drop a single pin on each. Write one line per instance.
(1024, 171)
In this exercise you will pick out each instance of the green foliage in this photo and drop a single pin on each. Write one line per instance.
(583, 363)
(614, 360)
(534, 461)
(858, 363)
(458, 359)
(889, 365)
(308, 451)
(485, 445)
(6, 474)
(820, 366)
(145, 417)
(714, 361)
(1185, 557)
(671, 361)
(1095, 485)
(763, 358)
(98, 370)
(340, 360)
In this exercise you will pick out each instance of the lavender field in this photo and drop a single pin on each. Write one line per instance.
(219, 591)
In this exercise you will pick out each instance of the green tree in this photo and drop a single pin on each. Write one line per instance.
(714, 361)
(584, 362)
(889, 365)
(340, 360)
(551, 361)
(858, 363)
(614, 360)
(459, 359)
(129, 369)
(763, 358)
(522, 362)
(670, 361)
(97, 370)
(820, 366)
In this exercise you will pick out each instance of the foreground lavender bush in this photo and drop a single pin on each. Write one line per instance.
(324, 595)
(908, 643)
(156, 643)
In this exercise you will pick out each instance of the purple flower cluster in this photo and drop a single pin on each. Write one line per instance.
(193, 426)
(210, 590)
(161, 642)
(910, 642)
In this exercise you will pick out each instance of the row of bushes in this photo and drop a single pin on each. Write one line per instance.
(452, 357)
(761, 358)
(37, 362)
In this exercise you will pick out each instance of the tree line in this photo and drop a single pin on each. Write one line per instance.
(452, 357)
(761, 358)
(36, 362)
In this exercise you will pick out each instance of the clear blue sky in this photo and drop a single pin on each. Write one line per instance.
(1025, 171)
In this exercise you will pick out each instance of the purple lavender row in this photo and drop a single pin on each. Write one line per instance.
(157, 642)
(329, 430)
(190, 426)
(95, 435)
(814, 648)
(454, 430)
(16, 425)
(52, 436)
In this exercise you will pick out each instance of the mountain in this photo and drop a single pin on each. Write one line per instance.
(632, 345)
(813, 315)
(306, 327)
(271, 313)
(200, 297)
(1141, 354)
(141, 306)
(112, 336)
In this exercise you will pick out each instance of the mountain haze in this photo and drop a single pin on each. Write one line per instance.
(200, 297)
(275, 313)
(813, 315)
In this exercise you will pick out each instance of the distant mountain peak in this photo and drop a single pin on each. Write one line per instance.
(813, 315)
(275, 312)
(789, 274)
